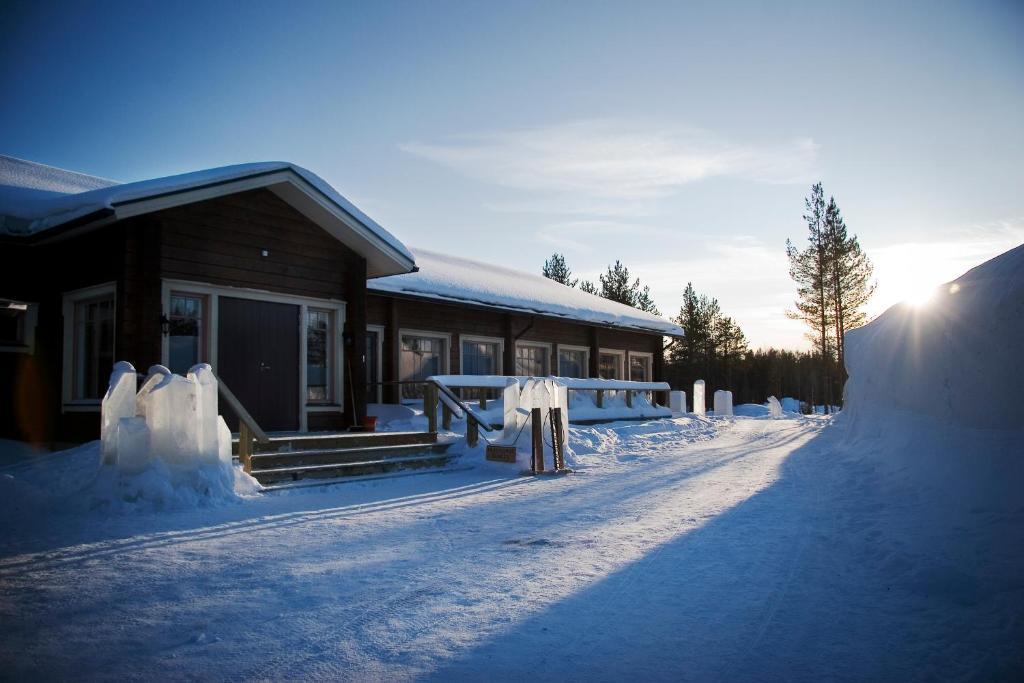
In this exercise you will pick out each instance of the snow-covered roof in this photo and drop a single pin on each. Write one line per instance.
(450, 278)
(35, 198)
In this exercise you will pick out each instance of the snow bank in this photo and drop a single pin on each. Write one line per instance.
(751, 410)
(956, 359)
(933, 407)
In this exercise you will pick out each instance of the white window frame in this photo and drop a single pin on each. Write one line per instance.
(446, 356)
(616, 352)
(487, 340)
(29, 323)
(530, 342)
(213, 294)
(68, 301)
(332, 331)
(650, 363)
(204, 332)
(379, 329)
(570, 347)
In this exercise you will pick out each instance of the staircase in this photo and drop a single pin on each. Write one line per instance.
(287, 458)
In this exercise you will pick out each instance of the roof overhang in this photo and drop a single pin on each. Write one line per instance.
(521, 311)
(382, 257)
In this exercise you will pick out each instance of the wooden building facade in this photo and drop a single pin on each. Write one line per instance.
(263, 272)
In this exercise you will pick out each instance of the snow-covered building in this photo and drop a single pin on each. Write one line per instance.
(305, 307)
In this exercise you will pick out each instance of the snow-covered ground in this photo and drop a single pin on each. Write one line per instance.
(696, 549)
(886, 543)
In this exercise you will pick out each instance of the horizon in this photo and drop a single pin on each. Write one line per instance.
(686, 161)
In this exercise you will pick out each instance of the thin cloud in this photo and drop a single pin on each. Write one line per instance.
(615, 160)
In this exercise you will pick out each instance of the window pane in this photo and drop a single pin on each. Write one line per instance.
(421, 358)
(318, 385)
(479, 358)
(609, 366)
(572, 363)
(639, 369)
(184, 330)
(94, 347)
(531, 361)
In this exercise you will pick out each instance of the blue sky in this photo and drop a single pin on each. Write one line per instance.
(677, 137)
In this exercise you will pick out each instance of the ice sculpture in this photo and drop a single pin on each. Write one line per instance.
(677, 402)
(118, 402)
(698, 397)
(206, 390)
(723, 402)
(774, 407)
(172, 415)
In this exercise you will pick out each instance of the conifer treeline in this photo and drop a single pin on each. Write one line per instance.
(833, 277)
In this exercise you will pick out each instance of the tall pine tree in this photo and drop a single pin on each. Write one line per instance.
(810, 269)
(849, 277)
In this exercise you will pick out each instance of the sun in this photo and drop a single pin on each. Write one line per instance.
(918, 296)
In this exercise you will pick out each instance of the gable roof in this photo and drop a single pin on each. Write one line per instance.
(42, 201)
(449, 278)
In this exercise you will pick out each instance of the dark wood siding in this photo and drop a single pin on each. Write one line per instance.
(457, 319)
(221, 241)
(30, 385)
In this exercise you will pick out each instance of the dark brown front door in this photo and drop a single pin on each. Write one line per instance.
(258, 358)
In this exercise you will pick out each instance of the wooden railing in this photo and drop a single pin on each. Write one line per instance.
(248, 429)
(436, 392)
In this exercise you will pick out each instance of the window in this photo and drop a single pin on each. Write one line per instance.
(481, 356)
(185, 332)
(573, 362)
(318, 346)
(532, 360)
(88, 343)
(17, 326)
(610, 365)
(422, 356)
(640, 367)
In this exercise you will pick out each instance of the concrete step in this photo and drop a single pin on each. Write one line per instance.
(351, 469)
(325, 456)
(327, 440)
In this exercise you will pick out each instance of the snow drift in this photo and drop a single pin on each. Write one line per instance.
(955, 359)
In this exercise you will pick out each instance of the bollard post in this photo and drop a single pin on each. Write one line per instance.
(537, 425)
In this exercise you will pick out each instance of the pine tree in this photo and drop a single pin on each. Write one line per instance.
(555, 268)
(644, 300)
(810, 269)
(589, 287)
(615, 285)
(849, 278)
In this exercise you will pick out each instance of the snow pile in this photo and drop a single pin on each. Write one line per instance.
(956, 359)
(752, 410)
(450, 278)
(790, 405)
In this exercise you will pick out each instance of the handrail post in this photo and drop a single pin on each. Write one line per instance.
(430, 406)
(446, 416)
(600, 398)
(629, 398)
(472, 433)
(245, 447)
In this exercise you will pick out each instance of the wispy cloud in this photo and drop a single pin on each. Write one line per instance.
(617, 160)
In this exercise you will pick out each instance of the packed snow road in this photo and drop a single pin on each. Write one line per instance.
(730, 550)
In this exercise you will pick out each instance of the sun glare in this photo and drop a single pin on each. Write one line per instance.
(919, 296)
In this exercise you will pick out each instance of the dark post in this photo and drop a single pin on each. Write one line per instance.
(537, 423)
(392, 355)
(595, 353)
